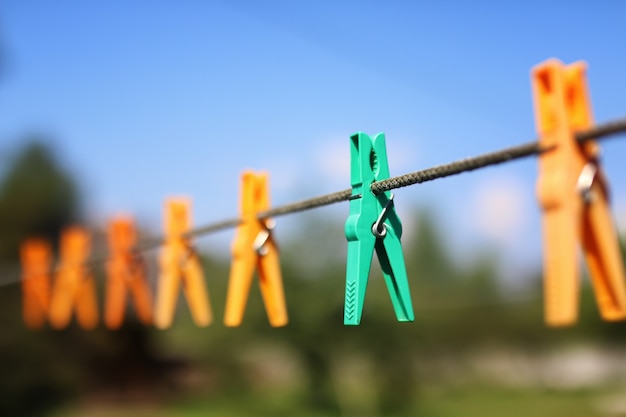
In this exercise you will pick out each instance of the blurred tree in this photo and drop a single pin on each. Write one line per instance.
(427, 255)
(376, 368)
(36, 198)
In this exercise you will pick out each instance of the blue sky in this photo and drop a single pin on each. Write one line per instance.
(150, 99)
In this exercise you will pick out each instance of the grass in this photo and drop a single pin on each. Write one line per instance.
(467, 400)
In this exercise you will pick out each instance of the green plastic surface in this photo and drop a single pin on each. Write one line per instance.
(368, 163)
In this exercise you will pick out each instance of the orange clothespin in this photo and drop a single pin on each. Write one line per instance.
(74, 286)
(126, 271)
(178, 261)
(253, 248)
(36, 256)
(572, 191)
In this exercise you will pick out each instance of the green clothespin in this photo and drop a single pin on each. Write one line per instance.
(373, 223)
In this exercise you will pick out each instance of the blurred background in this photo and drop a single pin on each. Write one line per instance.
(109, 108)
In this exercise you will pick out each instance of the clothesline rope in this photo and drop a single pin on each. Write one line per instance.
(599, 131)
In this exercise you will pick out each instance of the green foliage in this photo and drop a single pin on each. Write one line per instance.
(313, 367)
(36, 198)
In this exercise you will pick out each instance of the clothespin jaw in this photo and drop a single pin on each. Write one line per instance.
(572, 193)
(254, 248)
(36, 257)
(179, 261)
(373, 224)
(74, 287)
(126, 272)
(121, 235)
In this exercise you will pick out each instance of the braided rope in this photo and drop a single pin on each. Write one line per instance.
(600, 131)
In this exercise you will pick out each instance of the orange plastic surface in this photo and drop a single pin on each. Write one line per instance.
(561, 108)
(178, 261)
(74, 287)
(254, 198)
(36, 257)
(126, 273)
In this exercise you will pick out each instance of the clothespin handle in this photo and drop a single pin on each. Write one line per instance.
(254, 248)
(74, 287)
(126, 273)
(373, 224)
(562, 108)
(179, 262)
(36, 257)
